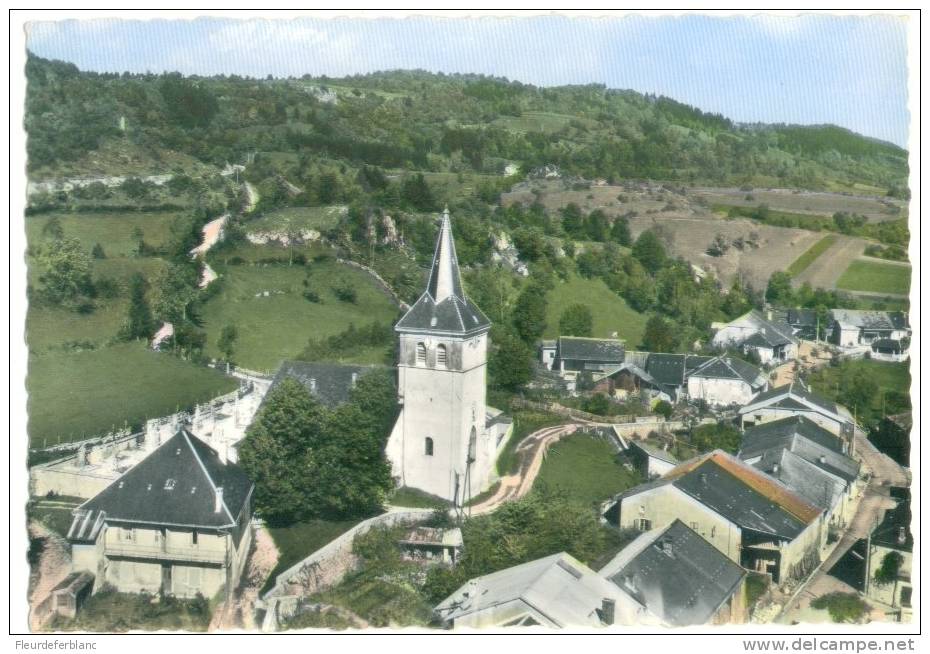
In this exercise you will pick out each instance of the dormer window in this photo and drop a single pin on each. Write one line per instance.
(441, 357)
(421, 354)
(170, 484)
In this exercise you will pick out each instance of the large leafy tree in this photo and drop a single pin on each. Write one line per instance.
(510, 365)
(139, 323)
(576, 320)
(649, 251)
(66, 271)
(529, 312)
(659, 336)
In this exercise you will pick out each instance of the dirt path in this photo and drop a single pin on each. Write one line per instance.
(532, 451)
(906, 264)
(827, 268)
(239, 612)
(54, 565)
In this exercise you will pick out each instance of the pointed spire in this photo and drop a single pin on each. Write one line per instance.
(445, 279)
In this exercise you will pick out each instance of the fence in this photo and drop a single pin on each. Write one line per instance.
(329, 564)
(558, 409)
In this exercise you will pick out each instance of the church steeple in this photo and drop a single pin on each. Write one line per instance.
(445, 279)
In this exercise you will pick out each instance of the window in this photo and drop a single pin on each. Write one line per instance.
(441, 356)
(713, 531)
(126, 534)
(429, 446)
(194, 537)
(642, 524)
(421, 354)
(694, 526)
(170, 484)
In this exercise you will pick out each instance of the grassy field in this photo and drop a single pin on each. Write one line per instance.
(297, 218)
(876, 277)
(298, 541)
(888, 376)
(114, 231)
(611, 312)
(73, 395)
(586, 468)
(279, 326)
(802, 262)
(524, 423)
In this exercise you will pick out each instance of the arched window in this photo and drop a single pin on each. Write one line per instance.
(429, 446)
(441, 356)
(421, 354)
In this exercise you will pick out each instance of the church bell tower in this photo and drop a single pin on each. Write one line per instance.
(441, 444)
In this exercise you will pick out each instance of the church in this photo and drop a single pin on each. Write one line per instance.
(446, 438)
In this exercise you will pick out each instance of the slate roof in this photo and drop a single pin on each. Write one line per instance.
(730, 368)
(889, 530)
(676, 574)
(809, 480)
(654, 452)
(576, 348)
(803, 437)
(779, 395)
(330, 383)
(174, 485)
(443, 307)
(802, 317)
(740, 493)
(673, 369)
(562, 592)
(771, 333)
(871, 320)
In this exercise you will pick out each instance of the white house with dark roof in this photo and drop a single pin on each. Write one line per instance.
(575, 354)
(680, 578)
(330, 383)
(795, 400)
(725, 381)
(179, 522)
(445, 441)
(773, 341)
(852, 328)
(651, 461)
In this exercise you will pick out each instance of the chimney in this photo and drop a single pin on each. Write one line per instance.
(218, 505)
(822, 459)
(313, 385)
(608, 611)
(768, 314)
(354, 378)
(902, 535)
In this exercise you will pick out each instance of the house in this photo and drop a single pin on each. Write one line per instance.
(179, 522)
(852, 328)
(431, 545)
(752, 518)
(670, 372)
(575, 354)
(680, 578)
(70, 593)
(725, 381)
(772, 341)
(557, 591)
(649, 460)
(808, 459)
(890, 349)
(443, 441)
(547, 353)
(330, 383)
(795, 400)
(890, 553)
(805, 325)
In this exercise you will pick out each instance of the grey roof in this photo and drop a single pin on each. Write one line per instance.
(890, 344)
(654, 452)
(730, 368)
(895, 523)
(558, 589)
(871, 320)
(673, 369)
(576, 348)
(174, 485)
(444, 307)
(802, 317)
(676, 574)
(809, 480)
(330, 383)
(797, 392)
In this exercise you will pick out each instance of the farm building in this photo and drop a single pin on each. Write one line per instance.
(749, 516)
(547, 353)
(680, 577)
(70, 594)
(725, 381)
(576, 354)
(771, 340)
(889, 553)
(179, 522)
(852, 328)
(795, 400)
(650, 461)
(557, 591)
(808, 459)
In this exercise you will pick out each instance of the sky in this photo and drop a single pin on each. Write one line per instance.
(846, 70)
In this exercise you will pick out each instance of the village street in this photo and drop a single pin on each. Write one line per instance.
(875, 500)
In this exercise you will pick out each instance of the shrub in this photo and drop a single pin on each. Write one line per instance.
(843, 607)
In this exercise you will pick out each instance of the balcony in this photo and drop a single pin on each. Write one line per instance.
(162, 553)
